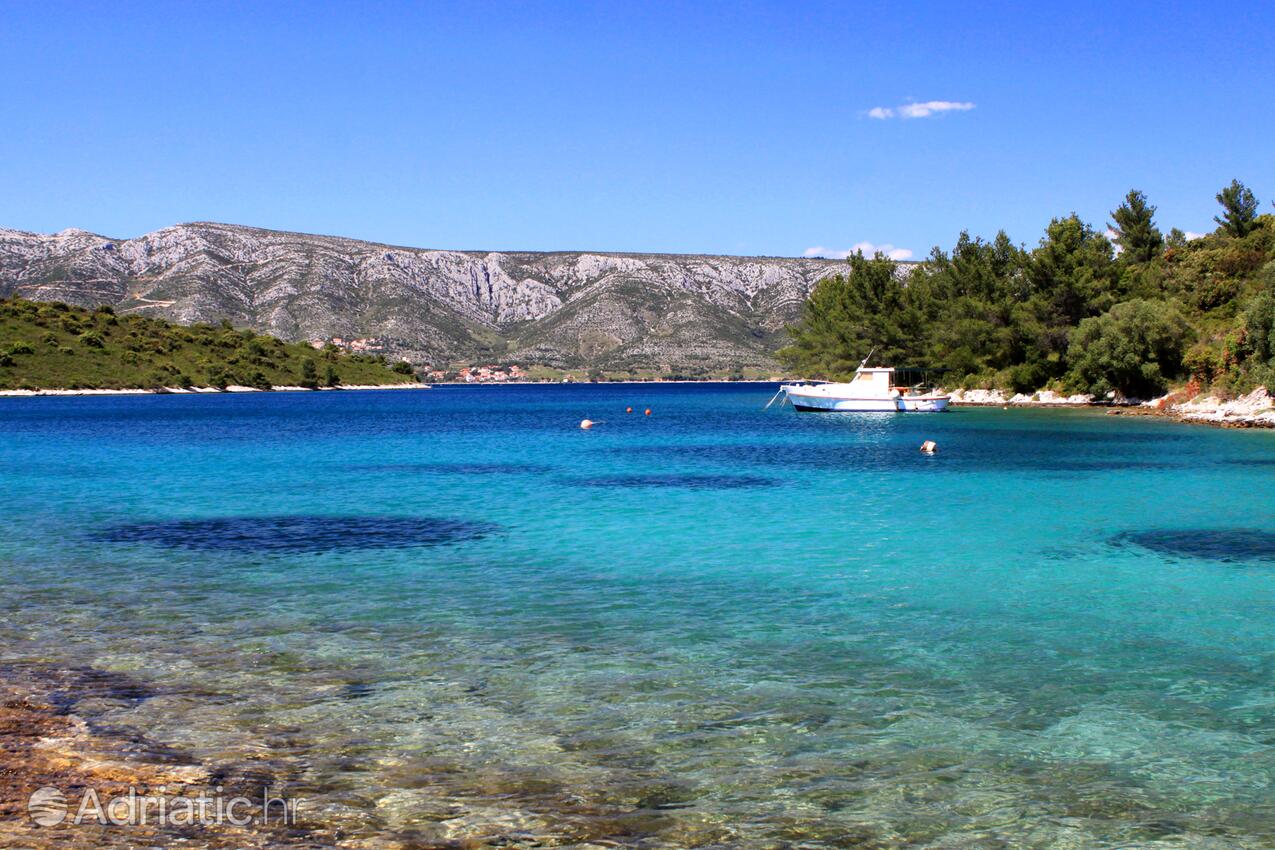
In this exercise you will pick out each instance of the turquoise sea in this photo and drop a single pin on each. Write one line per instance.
(452, 615)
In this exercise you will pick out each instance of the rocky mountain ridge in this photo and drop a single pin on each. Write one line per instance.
(681, 314)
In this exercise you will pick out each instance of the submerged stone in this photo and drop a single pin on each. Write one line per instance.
(1214, 544)
(357, 690)
(297, 533)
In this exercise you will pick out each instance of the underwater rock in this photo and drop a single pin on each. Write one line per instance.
(297, 533)
(1214, 544)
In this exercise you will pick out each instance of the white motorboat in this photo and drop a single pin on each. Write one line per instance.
(872, 390)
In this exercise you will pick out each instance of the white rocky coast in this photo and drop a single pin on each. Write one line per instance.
(1043, 398)
(1255, 410)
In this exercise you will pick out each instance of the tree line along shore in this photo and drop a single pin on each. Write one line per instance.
(1122, 312)
(52, 345)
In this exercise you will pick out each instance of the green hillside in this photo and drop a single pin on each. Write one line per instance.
(56, 346)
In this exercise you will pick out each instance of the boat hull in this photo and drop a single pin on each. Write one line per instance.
(925, 404)
(816, 404)
(811, 400)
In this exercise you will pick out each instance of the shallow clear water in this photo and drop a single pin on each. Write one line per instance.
(713, 625)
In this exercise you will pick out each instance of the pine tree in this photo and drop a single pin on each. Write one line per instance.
(1239, 209)
(309, 374)
(1136, 233)
(847, 316)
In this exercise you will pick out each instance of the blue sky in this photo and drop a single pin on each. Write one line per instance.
(743, 128)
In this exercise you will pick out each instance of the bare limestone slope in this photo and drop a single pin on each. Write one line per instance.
(681, 313)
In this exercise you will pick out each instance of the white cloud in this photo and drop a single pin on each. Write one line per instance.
(865, 248)
(919, 110)
(1191, 235)
(1112, 236)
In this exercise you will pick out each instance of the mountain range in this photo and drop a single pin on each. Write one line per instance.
(691, 315)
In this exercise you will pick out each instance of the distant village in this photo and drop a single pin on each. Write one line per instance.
(468, 374)
(481, 374)
(511, 373)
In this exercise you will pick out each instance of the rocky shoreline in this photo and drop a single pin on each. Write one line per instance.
(51, 738)
(997, 398)
(1254, 410)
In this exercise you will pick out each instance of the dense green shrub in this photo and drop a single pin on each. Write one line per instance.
(257, 379)
(218, 377)
(1259, 319)
(1135, 348)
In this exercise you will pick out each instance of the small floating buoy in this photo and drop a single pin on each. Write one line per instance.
(929, 447)
(586, 424)
(647, 411)
(628, 410)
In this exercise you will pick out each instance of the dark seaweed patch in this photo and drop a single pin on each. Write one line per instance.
(357, 690)
(297, 533)
(452, 468)
(65, 688)
(688, 482)
(1214, 544)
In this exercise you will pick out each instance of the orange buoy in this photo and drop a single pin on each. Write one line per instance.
(648, 411)
(586, 424)
(628, 410)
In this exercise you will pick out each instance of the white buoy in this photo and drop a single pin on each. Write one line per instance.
(586, 424)
(929, 447)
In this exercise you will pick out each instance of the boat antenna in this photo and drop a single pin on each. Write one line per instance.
(864, 361)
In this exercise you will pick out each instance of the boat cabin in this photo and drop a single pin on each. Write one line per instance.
(877, 381)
